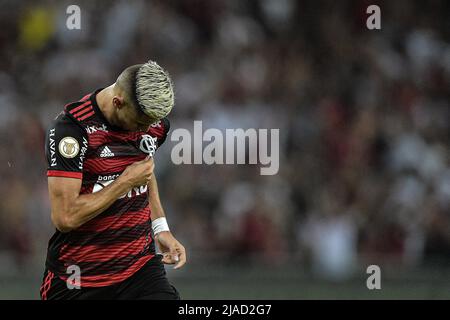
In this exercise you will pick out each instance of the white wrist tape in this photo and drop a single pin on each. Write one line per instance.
(160, 225)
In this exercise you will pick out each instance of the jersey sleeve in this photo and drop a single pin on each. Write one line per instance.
(65, 147)
(166, 127)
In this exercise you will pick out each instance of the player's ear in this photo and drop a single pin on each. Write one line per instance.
(118, 102)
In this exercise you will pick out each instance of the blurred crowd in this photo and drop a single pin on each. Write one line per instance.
(363, 117)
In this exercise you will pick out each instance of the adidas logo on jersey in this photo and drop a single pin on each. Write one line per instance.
(106, 153)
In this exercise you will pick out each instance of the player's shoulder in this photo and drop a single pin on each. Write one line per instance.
(65, 124)
(75, 114)
(81, 110)
(160, 127)
(166, 123)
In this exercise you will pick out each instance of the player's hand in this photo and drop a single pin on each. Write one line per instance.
(172, 250)
(139, 173)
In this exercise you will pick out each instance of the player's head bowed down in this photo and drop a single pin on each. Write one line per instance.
(142, 95)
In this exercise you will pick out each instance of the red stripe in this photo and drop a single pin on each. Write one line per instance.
(102, 137)
(97, 257)
(45, 282)
(83, 111)
(85, 97)
(158, 132)
(79, 107)
(126, 220)
(110, 279)
(111, 164)
(65, 174)
(95, 253)
(46, 285)
(86, 116)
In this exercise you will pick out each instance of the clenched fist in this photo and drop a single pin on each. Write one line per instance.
(139, 173)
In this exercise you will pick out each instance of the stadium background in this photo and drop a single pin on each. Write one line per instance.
(364, 131)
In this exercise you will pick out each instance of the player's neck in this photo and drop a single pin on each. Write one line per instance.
(104, 102)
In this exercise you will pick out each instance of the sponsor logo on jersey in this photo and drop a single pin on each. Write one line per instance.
(68, 147)
(104, 181)
(108, 177)
(52, 147)
(106, 152)
(83, 153)
(156, 124)
(100, 184)
(148, 144)
(92, 129)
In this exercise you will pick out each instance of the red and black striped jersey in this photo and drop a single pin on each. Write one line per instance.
(81, 144)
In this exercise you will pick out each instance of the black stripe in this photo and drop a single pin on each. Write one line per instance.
(126, 204)
(114, 265)
(108, 237)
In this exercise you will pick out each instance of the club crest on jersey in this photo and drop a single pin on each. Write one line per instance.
(68, 147)
(148, 144)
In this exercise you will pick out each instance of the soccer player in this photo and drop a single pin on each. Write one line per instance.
(104, 195)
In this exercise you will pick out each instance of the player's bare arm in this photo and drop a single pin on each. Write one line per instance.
(70, 210)
(173, 251)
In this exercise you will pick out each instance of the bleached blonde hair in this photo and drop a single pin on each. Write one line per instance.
(154, 90)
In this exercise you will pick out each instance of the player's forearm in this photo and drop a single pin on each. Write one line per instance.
(154, 200)
(87, 206)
